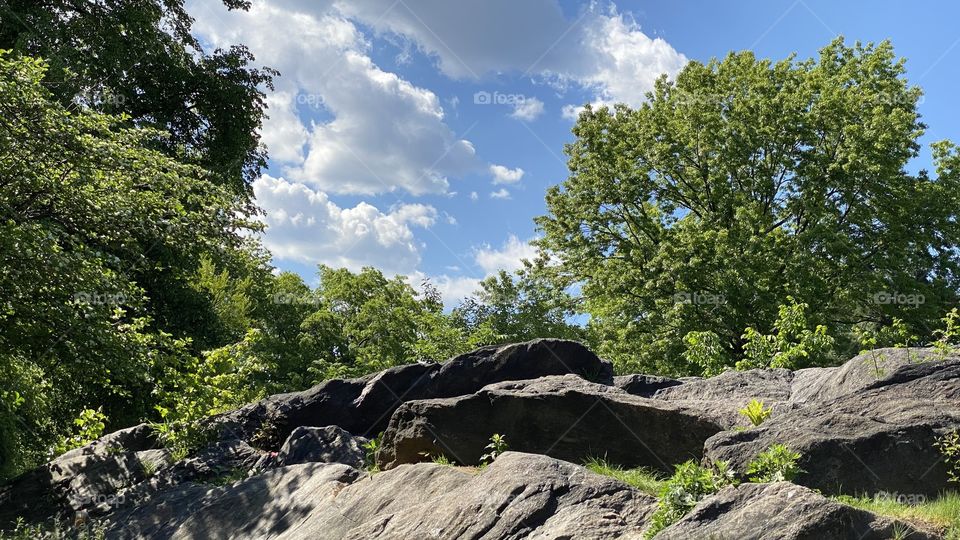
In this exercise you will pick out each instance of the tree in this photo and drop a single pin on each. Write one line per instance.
(518, 307)
(85, 206)
(743, 182)
(138, 58)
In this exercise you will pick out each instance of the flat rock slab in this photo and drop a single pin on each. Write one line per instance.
(782, 511)
(518, 496)
(564, 417)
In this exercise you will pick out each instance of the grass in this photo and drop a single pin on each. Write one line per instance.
(640, 478)
(942, 513)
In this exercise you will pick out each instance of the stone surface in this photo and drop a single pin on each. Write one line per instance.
(782, 511)
(880, 438)
(329, 444)
(363, 406)
(561, 416)
(518, 496)
(643, 385)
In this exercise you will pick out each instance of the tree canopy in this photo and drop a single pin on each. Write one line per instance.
(743, 182)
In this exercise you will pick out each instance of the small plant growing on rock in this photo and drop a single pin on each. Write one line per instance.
(371, 448)
(89, 427)
(949, 335)
(688, 485)
(756, 412)
(776, 464)
(949, 446)
(498, 445)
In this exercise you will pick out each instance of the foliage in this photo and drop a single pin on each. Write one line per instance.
(949, 335)
(498, 445)
(704, 349)
(138, 58)
(871, 336)
(646, 481)
(942, 513)
(791, 346)
(86, 203)
(372, 447)
(949, 446)
(775, 464)
(742, 182)
(688, 485)
(89, 426)
(756, 412)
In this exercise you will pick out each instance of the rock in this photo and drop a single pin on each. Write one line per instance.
(363, 406)
(643, 385)
(782, 511)
(880, 438)
(767, 385)
(518, 496)
(564, 417)
(329, 444)
(521, 496)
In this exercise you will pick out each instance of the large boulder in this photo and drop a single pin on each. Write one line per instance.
(878, 438)
(363, 406)
(783, 511)
(518, 496)
(643, 385)
(561, 416)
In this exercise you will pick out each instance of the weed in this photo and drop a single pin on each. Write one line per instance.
(776, 464)
(756, 412)
(498, 445)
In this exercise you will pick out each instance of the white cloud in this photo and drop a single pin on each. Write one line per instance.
(501, 193)
(572, 112)
(509, 257)
(474, 196)
(453, 289)
(303, 225)
(503, 175)
(527, 109)
(385, 133)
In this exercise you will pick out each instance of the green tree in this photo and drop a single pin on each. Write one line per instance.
(85, 206)
(138, 58)
(518, 307)
(743, 182)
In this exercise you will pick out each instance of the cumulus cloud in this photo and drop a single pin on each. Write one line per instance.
(304, 225)
(503, 175)
(501, 193)
(528, 109)
(508, 257)
(383, 133)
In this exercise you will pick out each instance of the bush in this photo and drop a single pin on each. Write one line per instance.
(949, 446)
(756, 412)
(776, 464)
(688, 485)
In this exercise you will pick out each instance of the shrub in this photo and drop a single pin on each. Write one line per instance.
(688, 485)
(776, 464)
(498, 445)
(372, 447)
(756, 412)
(949, 446)
(89, 427)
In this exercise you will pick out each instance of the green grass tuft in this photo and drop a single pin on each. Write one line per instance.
(643, 479)
(942, 513)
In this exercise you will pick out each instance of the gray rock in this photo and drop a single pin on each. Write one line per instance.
(880, 438)
(643, 385)
(560, 416)
(363, 406)
(329, 444)
(782, 511)
(518, 496)
(768, 385)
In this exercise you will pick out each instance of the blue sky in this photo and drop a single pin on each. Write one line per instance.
(419, 136)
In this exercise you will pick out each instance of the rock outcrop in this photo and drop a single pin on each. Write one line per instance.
(294, 466)
(563, 417)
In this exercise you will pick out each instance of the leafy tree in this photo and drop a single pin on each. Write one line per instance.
(518, 307)
(138, 58)
(85, 206)
(743, 182)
